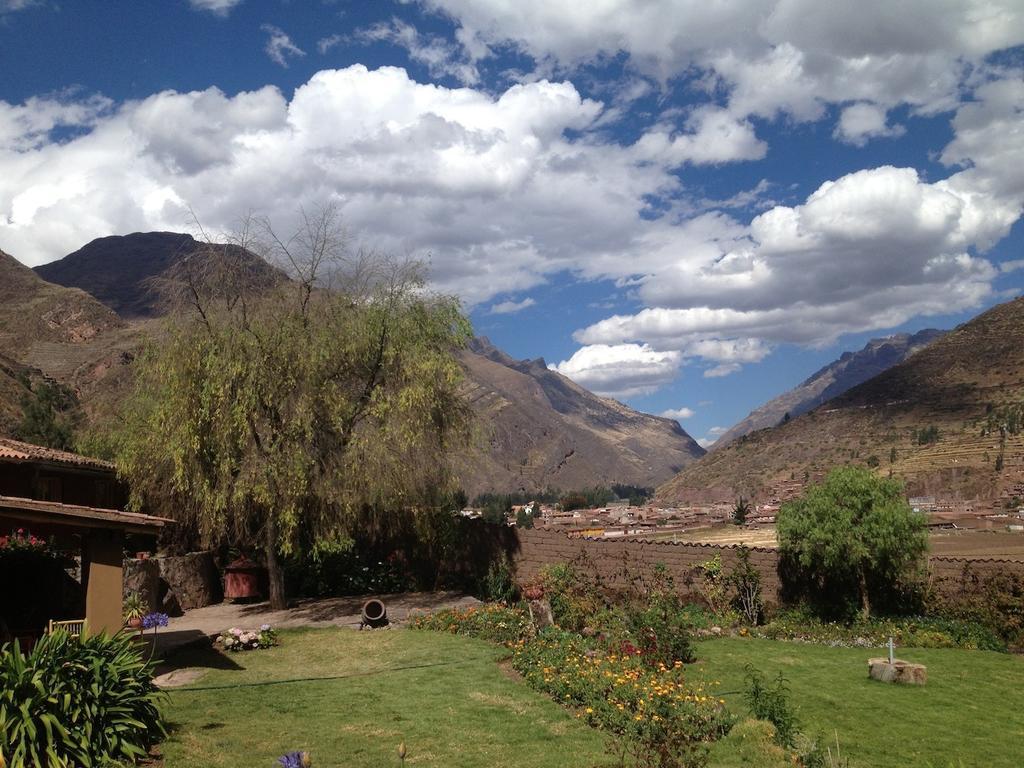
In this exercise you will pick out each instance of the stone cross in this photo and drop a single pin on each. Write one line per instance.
(891, 648)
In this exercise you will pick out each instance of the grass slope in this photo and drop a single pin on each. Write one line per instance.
(970, 713)
(449, 700)
(445, 696)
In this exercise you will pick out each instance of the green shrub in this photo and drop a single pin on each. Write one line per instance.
(493, 621)
(499, 586)
(657, 622)
(575, 599)
(751, 743)
(914, 631)
(77, 702)
(331, 568)
(771, 703)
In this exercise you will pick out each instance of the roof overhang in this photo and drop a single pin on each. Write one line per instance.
(54, 513)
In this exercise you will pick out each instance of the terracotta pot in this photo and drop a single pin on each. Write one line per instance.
(134, 623)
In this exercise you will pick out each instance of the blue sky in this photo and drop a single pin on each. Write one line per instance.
(690, 207)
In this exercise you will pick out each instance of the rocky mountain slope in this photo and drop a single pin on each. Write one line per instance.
(540, 430)
(33, 311)
(123, 271)
(947, 420)
(832, 380)
(536, 428)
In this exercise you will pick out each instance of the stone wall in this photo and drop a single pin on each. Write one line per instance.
(612, 559)
(952, 568)
(615, 560)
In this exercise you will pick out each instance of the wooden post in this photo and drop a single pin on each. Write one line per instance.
(104, 591)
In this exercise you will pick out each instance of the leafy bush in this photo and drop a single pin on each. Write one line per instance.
(499, 586)
(331, 568)
(494, 622)
(44, 590)
(657, 623)
(575, 598)
(77, 702)
(656, 717)
(915, 632)
(771, 703)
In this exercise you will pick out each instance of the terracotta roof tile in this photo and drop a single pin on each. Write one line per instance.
(16, 450)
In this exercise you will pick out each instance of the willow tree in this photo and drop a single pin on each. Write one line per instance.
(264, 414)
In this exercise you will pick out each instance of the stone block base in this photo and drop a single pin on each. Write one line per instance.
(898, 671)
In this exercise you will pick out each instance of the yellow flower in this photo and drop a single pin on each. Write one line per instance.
(590, 710)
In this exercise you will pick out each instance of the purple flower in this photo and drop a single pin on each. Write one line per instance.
(154, 620)
(295, 760)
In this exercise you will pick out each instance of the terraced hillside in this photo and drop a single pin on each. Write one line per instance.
(538, 430)
(851, 369)
(33, 311)
(947, 420)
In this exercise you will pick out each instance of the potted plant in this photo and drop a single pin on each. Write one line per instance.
(134, 610)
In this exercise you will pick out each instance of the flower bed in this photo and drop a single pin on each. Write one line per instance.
(618, 692)
(236, 639)
(492, 621)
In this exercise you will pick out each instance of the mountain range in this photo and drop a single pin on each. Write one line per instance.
(81, 319)
(943, 411)
(947, 420)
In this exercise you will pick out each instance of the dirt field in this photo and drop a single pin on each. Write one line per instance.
(752, 537)
(972, 544)
(997, 544)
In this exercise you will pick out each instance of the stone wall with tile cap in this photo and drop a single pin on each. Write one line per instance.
(614, 559)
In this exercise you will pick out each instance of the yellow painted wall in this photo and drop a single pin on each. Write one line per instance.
(103, 597)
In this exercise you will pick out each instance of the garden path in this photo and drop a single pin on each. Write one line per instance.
(210, 621)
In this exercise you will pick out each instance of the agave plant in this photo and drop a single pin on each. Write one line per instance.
(77, 702)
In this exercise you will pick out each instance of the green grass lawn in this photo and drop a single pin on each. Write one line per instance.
(445, 696)
(452, 703)
(971, 712)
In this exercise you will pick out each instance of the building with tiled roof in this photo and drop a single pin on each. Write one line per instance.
(77, 503)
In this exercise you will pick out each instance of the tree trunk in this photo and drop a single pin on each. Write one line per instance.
(865, 603)
(275, 573)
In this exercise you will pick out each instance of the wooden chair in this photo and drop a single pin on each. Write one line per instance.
(74, 627)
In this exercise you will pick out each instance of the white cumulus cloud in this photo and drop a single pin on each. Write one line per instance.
(621, 370)
(864, 121)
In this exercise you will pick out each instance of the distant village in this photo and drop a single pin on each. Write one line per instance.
(621, 518)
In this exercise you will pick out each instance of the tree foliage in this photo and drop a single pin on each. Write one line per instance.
(854, 535)
(295, 412)
(49, 414)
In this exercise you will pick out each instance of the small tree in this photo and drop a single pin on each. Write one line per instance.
(855, 530)
(741, 511)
